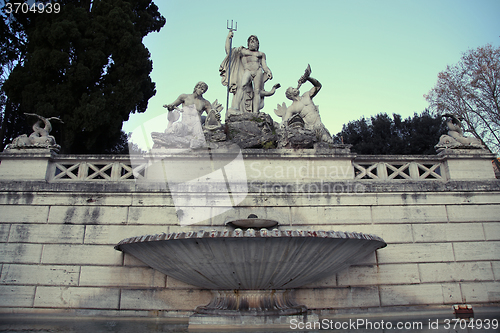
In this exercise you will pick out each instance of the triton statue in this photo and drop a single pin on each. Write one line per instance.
(303, 108)
(455, 138)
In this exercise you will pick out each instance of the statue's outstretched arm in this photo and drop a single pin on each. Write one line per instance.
(316, 87)
(304, 77)
(175, 103)
(271, 92)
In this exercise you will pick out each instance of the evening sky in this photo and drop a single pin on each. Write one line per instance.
(370, 56)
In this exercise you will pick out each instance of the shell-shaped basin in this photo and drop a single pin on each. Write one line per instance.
(251, 259)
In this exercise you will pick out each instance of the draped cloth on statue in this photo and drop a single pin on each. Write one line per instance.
(236, 69)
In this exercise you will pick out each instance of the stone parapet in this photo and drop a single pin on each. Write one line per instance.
(276, 165)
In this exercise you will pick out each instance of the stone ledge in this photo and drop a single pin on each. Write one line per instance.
(466, 153)
(262, 200)
(368, 186)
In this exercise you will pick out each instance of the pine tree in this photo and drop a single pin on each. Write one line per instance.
(87, 65)
(12, 42)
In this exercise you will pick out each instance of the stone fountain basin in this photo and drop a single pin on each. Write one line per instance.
(252, 259)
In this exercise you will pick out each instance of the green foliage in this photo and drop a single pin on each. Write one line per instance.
(12, 41)
(381, 135)
(87, 65)
(12, 123)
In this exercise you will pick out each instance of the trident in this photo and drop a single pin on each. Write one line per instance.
(229, 62)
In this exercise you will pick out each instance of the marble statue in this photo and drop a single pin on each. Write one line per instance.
(40, 137)
(196, 99)
(212, 122)
(244, 71)
(188, 131)
(455, 138)
(247, 70)
(183, 133)
(303, 110)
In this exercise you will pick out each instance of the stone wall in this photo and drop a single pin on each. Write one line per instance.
(57, 239)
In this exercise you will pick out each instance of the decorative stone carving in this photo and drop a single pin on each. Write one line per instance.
(245, 71)
(455, 138)
(188, 132)
(212, 122)
(212, 128)
(301, 123)
(246, 130)
(295, 135)
(39, 139)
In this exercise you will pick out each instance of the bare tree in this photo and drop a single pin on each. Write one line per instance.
(471, 90)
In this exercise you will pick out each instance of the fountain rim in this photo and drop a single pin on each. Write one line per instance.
(250, 234)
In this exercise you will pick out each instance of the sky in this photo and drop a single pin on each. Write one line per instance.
(370, 56)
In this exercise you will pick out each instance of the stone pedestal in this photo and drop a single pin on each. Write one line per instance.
(296, 137)
(26, 164)
(468, 164)
(250, 130)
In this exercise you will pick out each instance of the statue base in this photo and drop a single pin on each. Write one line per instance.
(215, 135)
(252, 303)
(296, 138)
(462, 150)
(251, 130)
(32, 149)
(468, 163)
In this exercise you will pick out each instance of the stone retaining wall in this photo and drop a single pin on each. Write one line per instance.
(57, 238)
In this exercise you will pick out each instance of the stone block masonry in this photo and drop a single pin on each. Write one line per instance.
(57, 238)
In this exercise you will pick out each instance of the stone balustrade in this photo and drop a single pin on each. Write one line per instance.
(269, 164)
